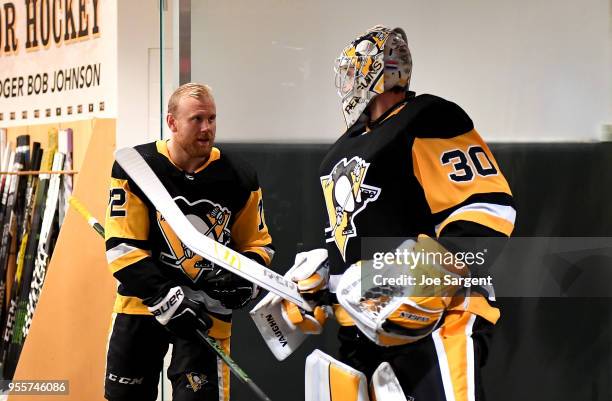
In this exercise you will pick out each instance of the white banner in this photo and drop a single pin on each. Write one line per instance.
(58, 60)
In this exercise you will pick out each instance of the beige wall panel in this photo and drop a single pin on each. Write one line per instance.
(68, 336)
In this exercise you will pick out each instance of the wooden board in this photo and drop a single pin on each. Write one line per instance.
(68, 336)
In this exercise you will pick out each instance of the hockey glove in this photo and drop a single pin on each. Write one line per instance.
(232, 291)
(400, 314)
(182, 311)
(311, 275)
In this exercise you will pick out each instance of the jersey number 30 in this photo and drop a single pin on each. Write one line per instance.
(464, 163)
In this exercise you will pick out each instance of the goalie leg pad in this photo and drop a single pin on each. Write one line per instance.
(385, 386)
(330, 380)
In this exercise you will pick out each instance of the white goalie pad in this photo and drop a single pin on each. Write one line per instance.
(385, 386)
(280, 335)
(330, 380)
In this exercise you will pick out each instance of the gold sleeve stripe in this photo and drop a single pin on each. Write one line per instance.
(129, 220)
(503, 212)
(263, 251)
(440, 164)
(494, 222)
(120, 261)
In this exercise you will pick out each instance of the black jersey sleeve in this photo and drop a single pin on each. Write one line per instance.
(128, 251)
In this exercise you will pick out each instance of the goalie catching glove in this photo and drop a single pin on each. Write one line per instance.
(182, 311)
(401, 314)
(311, 274)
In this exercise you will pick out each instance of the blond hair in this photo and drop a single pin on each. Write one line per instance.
(191, 89)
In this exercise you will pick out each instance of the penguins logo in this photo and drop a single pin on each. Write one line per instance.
(210, 219)
(346, 195)
(196, 381)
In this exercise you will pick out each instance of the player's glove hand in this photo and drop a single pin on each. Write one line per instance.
(231, 290)
(182, 311)
(400, 314)
(311, 274)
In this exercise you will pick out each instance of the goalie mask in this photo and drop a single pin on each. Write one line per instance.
(375, 62)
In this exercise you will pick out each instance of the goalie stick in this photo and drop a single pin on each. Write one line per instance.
(211, 342)
(139, 170)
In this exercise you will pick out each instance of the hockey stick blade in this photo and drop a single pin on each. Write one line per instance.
(211, 342)
(137, 168)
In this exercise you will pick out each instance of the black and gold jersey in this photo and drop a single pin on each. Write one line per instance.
(222, 199)
(420, 169)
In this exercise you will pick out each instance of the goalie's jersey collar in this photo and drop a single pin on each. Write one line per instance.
(162, 147)
(369, 126)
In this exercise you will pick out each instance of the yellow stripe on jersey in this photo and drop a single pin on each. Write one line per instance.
(134, 306)
(223, 372)
(249, 231)
(126, 215)
(450, 170)
(124, 255)
(497, 223)
(455, 351)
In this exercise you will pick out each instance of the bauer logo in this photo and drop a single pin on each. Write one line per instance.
(174, 299)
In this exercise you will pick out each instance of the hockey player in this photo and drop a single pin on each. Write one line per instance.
(407, 167)
(166, 291)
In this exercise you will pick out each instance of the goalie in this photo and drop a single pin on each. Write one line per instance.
(407, 167)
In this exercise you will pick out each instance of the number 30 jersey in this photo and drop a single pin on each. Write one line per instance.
(420, 169)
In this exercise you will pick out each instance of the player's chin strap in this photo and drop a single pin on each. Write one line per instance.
(328, 379)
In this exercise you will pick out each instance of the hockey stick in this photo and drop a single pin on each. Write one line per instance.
(212, 343)
(139, 170)
(233, 366)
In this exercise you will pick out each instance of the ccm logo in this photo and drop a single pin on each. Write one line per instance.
(279, 279)
(174, 299)
(125, 380)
